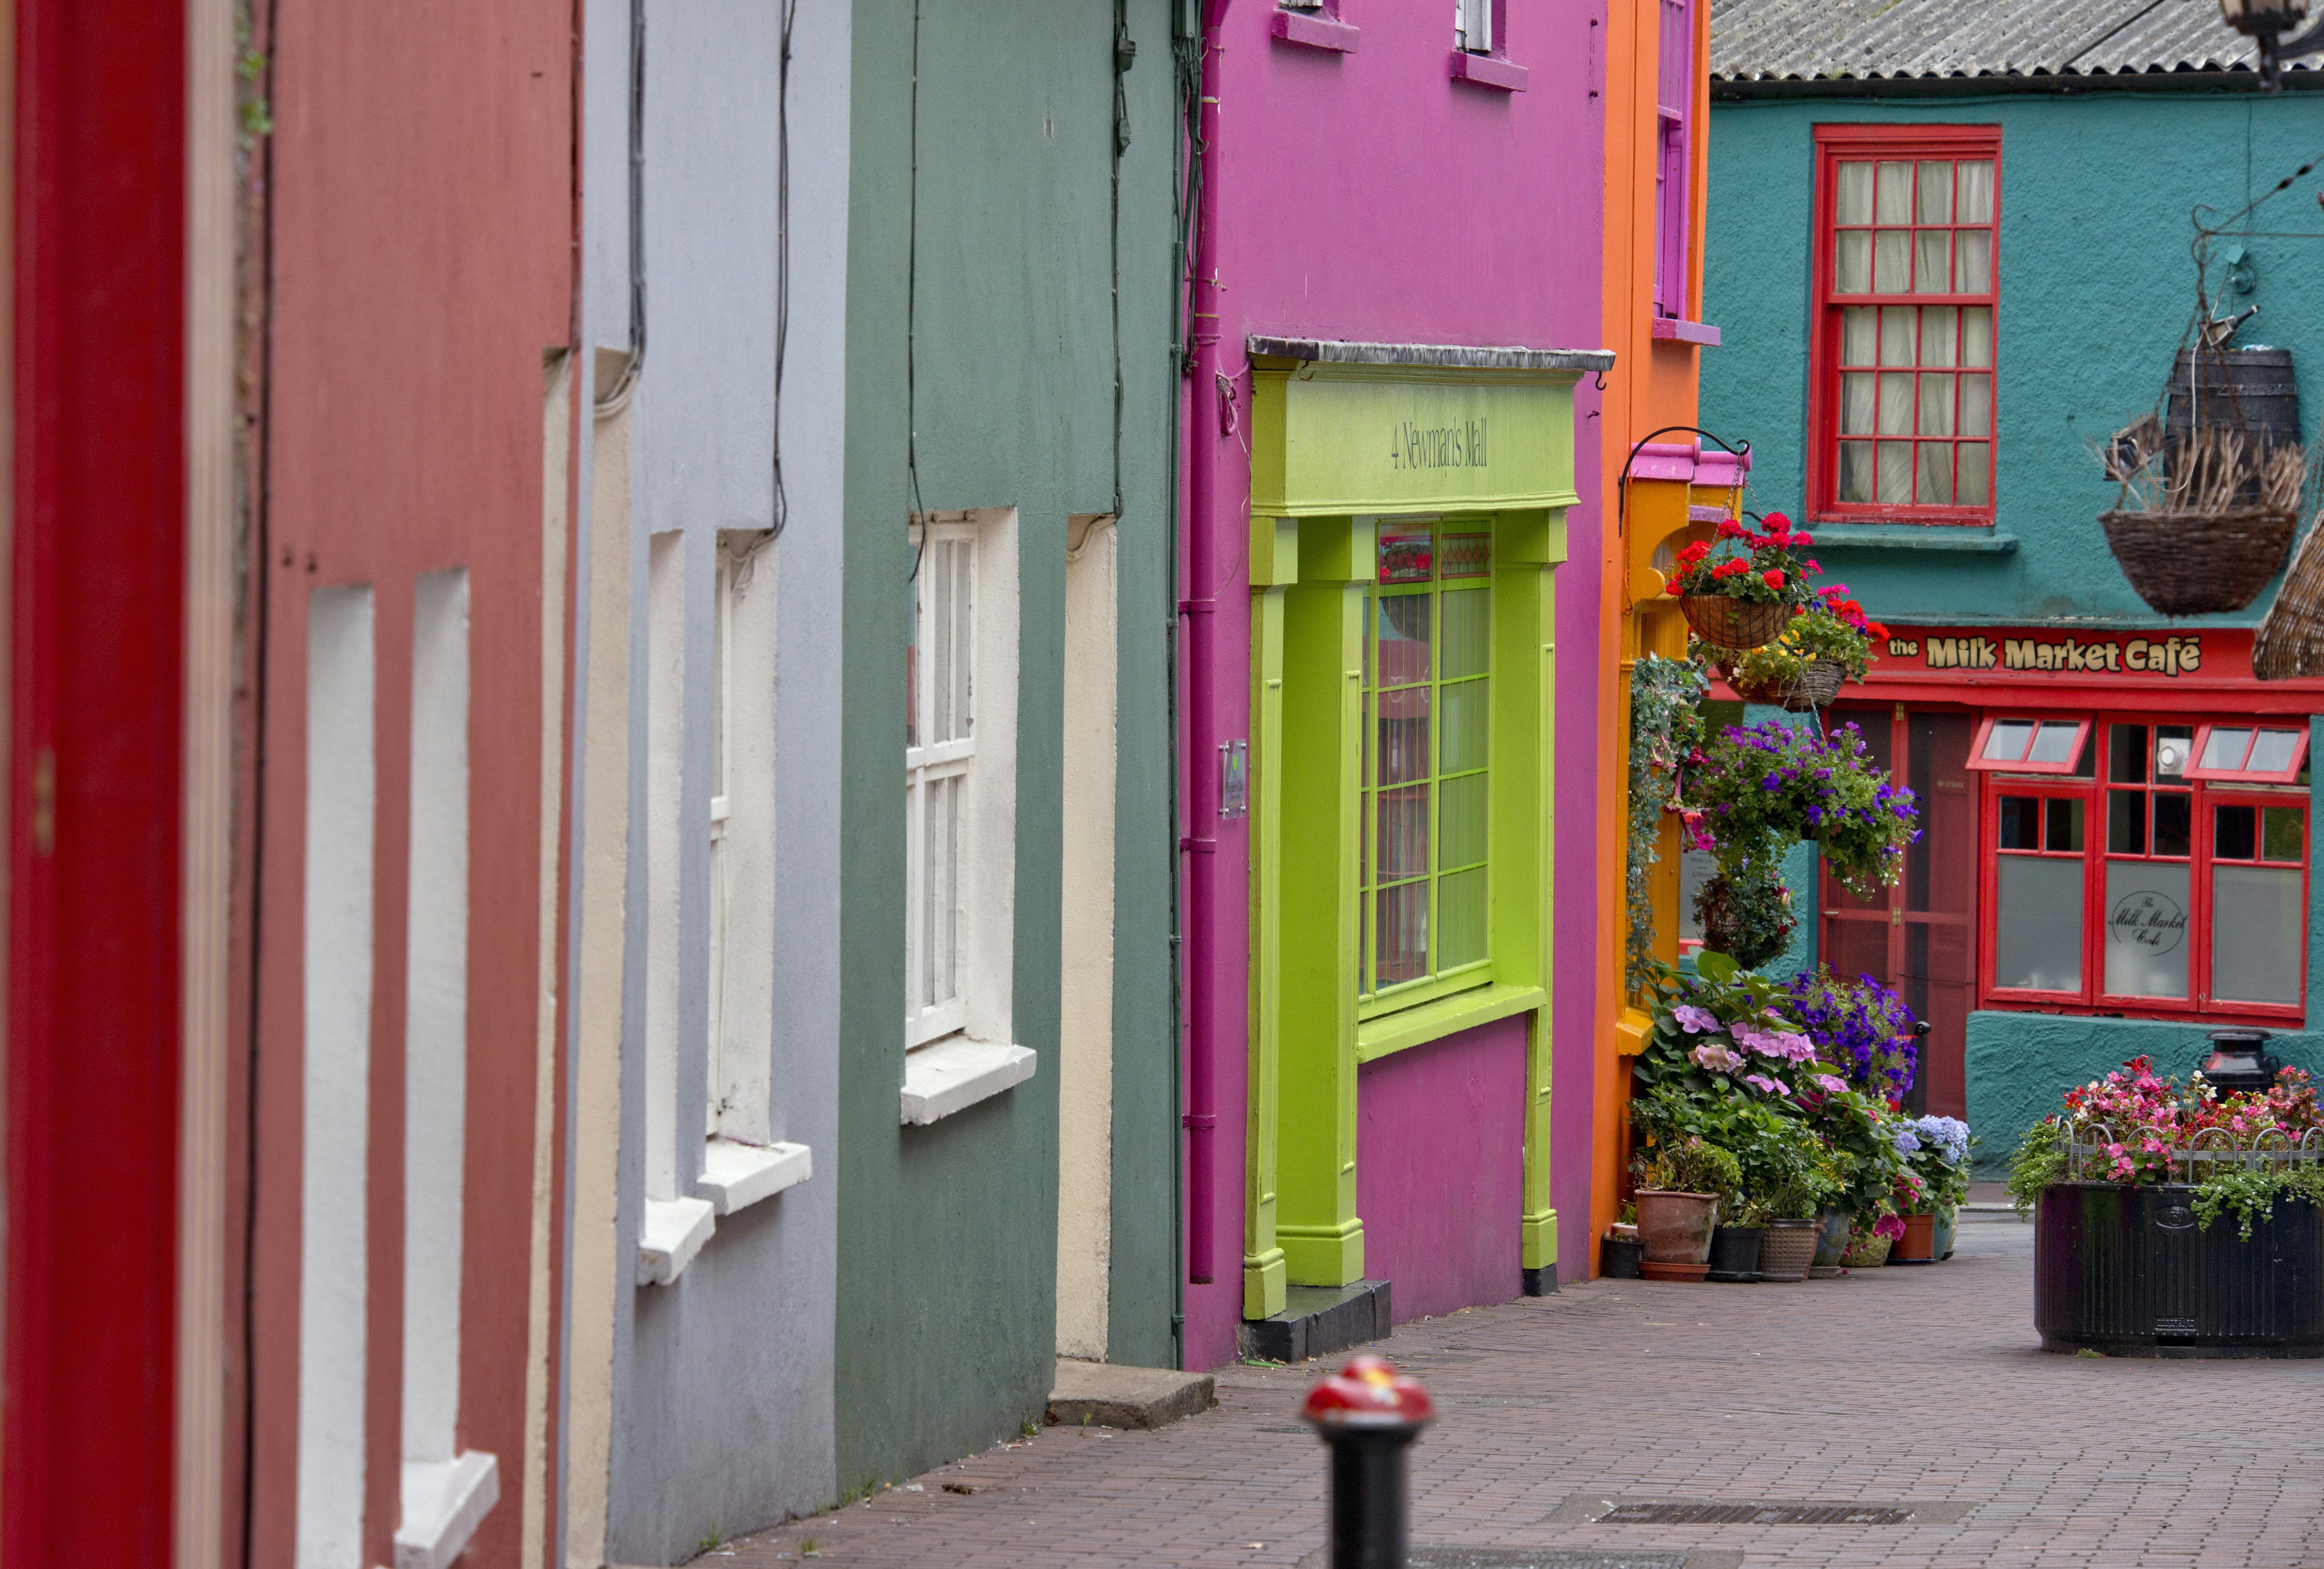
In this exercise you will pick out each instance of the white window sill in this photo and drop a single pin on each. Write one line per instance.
(951, 1075)
(444, 1503)
(674, 1231)
(736, 1176)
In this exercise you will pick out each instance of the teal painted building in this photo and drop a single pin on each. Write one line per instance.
(1949, 254)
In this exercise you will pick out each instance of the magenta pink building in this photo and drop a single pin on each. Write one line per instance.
(1389, 624)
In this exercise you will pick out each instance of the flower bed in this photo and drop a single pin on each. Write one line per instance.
(2129, 1184)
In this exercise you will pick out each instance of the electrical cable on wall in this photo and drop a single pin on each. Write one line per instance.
(1125, 54)
(780, 514)
(618, 396)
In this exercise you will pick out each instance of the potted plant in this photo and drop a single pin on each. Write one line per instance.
(1827, 643)
(1942, 1163)
(1860, 1025)
(1744, 910)
(1677, 1198)
(2130, 1182)
(1739, 589)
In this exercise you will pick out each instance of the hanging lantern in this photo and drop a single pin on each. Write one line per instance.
(2267, 21)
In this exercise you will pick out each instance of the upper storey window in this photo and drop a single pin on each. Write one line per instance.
(1674, 157)
(1907, 275)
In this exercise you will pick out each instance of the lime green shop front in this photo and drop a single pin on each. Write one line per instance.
(1407, 519)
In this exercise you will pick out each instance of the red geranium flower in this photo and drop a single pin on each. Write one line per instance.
(1773, 577)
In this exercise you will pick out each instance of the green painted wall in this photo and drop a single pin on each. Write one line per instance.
(2097, 288)
(946, 1310)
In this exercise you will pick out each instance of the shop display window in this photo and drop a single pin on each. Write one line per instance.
(2172, 880)
(1905, 330)
(1426, 783)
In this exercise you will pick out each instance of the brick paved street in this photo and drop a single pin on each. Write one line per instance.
(1920, 1385)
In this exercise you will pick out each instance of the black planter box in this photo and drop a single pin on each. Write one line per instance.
(1735, 1254)
(2127, 1272)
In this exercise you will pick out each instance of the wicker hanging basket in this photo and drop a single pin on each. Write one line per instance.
(1813, 687)
(2291, 641)
(1734, 624)
(1725, 930)
(2199, 563)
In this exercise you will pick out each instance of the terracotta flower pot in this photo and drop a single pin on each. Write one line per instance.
(1787, 1250)
(1676, 1227)
(1918, 1245)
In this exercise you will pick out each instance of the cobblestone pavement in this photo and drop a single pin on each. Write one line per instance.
(1915, 1385)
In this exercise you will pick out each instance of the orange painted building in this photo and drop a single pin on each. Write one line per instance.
(1662, 476)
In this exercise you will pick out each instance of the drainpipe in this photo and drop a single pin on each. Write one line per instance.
(1205, 570)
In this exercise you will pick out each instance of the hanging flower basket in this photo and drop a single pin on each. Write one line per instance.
(1751, 922)
(1735, 623)
(1815, 687)
(2188, 563)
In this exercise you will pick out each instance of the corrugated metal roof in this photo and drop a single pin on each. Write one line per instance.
(1920, 39)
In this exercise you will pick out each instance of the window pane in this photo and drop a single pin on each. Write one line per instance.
(1895, 404)
(2257, 927)
(1900, 326)
(2127, 753)
(2235, 832)
(2065, 828)
(1972, 261)
(1462, 646)
(1895, 204)
(1931, 261)
(2021, 822)
(1856, 466)
(1934, 202)
(1852, 262)
(1937, 409)
(1403, 833)
(1976, 405)
(1407, 554)
(2225, 749)
(2126, 822)
(2173, 742)
(2037, 943)
(1855, 404)
(2146, 928)
(1892, 258)
(1403, 735)
(2273, 750)
(1404, 638)
(2008, 741)
(1460, 805)
(1975, 205)
(912, 658)
(2053, 742)
(1896, 472)
(1974, 488)
(1977, 335)
(1858, 332)
(1852, 194)
(938, 569)
(1460, 739)
(2281, 834)
(1939, 334)
(1460, 918)
(1400, 934)
(2174, 818)
(1936, 472)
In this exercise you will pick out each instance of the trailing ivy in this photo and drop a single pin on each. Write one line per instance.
(2251, 1192)
(1666, 731)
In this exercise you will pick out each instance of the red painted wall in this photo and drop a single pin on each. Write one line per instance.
(422, 207)
(96, 647)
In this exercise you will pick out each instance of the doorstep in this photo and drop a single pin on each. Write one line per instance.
(1317, 1321)
(1111, 1395)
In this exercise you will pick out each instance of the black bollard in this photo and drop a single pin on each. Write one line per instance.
(1369, 1414)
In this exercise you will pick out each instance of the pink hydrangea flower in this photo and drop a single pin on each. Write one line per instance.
(1765, 1085)
(1715, 1057)
(1695, 1020)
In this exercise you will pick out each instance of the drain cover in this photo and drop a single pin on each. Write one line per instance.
(1771, 1514)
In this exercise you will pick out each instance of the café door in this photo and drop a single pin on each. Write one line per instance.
(1920, 936)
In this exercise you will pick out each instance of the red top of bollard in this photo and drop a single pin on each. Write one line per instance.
(1368, 1393)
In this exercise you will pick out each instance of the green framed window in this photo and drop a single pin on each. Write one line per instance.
(1424, 857)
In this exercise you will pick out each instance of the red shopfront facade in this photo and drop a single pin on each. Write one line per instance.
(2115, 826)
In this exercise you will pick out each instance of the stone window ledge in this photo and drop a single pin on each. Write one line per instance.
(444, 1503)
(955, 1072)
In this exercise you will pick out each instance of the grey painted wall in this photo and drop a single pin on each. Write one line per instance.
(723, 1379)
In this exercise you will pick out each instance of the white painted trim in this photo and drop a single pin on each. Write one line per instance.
(444, 1503)
(736, 1176)
(947, 1076)
(665, 813)
(675, 1230)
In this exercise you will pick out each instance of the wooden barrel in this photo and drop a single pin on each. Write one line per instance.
(2252, 390)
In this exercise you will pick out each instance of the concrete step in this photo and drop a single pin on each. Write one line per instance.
(1319, 1320)
(1110, 1395)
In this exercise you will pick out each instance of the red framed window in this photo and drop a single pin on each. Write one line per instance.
(2132, 883)
(2029, 745)
(1908, 267)
(2249, 753)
